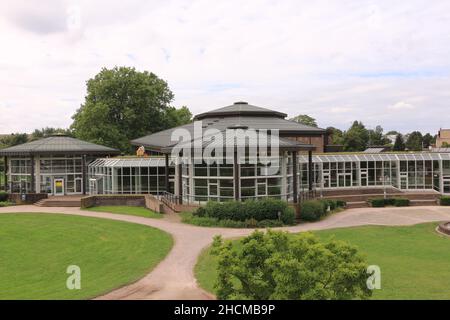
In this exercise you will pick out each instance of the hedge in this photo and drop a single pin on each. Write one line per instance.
(3, 196)
(445, 201)
(261, 210)
(313, 210)
(381, 202)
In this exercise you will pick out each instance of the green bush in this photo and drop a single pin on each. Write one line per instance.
(341, 203)
(445, 201)
(6, 203)
(248, 211)
(3, 196)
(313, 210)
(377, 202)
(401, 202)
(389, 202)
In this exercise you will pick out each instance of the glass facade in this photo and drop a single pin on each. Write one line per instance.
(202, 182)
(129, 176)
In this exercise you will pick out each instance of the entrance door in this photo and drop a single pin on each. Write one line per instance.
(403, 180)
(78, 185)
(58, 187)
(446, 184)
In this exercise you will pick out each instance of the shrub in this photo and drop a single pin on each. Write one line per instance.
(274, 265)
(312, 210)
(377, 202)
(6, 203)
(389, 202)
(401, 202)
(341, 203)
(445, 201)
(248, 212)
(3, 196)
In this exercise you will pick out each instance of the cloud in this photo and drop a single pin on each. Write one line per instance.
(335, 60)
(401, 106)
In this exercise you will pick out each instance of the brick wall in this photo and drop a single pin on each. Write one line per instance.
(29, 197)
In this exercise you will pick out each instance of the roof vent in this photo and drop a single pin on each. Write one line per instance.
(241, 102)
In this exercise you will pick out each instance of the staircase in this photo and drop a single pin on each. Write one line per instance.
(63, 201)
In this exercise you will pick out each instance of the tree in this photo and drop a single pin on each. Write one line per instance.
(274, 265)
(399, 144)
(377, 138)
(177, 117)
(47, 131)
(122, 104)
(356, 138)
(428, 140)
(415, 141)
(336, 136)
(13, 140)
(306, 120)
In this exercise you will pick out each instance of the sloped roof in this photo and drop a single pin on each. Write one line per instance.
(239, 109)
(242, 115)
(58, 144)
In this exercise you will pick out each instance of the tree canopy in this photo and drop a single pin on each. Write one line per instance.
(123, 104)
(399, 144)
(415, 141)
(275, 265)
(306, 120)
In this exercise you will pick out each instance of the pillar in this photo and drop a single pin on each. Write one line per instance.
(167, 172)
(310, 171)
(83, 169)
(294, 176)
(5, 181)
(180, 183)
(33, 177)
(236, 175)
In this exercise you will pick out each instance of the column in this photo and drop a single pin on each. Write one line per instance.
(5, 181)
(33, 178)
(310, 171)
(83, 170)
(294, 176)
(167, 172)
(180, 183)
(236, 174)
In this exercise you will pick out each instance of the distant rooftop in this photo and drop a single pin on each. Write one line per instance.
(240, 108)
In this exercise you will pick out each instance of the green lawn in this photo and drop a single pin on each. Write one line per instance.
(133, 211)
(414, 260)
(36, 249)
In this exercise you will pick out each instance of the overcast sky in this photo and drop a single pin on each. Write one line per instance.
(382, 62)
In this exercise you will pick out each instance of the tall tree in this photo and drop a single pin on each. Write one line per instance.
(356, 138)
(415, 141)
(376, 137)
(306, 120)
(177, 117)
(399, 144)
(336, 136)
(428, 140)
(122, 104)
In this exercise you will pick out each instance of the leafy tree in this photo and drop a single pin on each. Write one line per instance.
(377, 138)
(306, 120)
(415, 141)
(336, 136)
(122, 104)
(428, 140)
(445, 144)
(356, 138)
(274, 265)
(177, 117)
(13, 140)
(399, 144)
(47, 131)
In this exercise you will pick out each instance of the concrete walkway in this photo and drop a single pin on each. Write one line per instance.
(173, 278)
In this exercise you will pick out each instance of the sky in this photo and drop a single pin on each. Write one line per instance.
(381, 62)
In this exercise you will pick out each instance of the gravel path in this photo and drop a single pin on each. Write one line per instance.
(173, 278)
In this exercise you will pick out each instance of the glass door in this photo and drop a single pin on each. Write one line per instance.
(403, 180)
(58, 187)
(78, 185)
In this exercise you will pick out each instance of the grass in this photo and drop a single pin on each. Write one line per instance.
(414, 260)
(128, 210)
(36, 250)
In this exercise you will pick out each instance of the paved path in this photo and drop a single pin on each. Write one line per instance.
(173, 278)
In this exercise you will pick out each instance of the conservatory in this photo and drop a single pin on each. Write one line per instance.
(200, 182)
